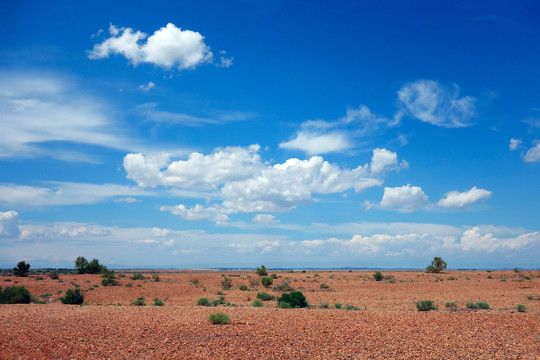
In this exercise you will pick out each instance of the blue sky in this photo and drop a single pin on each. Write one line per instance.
(291, 134)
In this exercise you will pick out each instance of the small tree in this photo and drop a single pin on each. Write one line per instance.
(262, 271)
(437, 265)
(73, 297)
(267, 281)
(378, 276)
(226, 284)
(21, 269)
(15, 295)
(295, 299)
(81, 264)
(94, 267)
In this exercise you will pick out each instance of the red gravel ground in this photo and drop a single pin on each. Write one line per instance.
(386, 326)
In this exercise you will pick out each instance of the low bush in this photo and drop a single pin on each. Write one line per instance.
(324, 286)
(337, 305)
(155, 277)
(521, 308)
(296, 299)
(265, 296)
(226, 284)
(324, 305)
(137, 276)
(284, 305)
(452, 278)
(478, 305)
(257, 303)
(109, 280)
(219, 319)
(15, 295)
(273, 276)
(194, 282)
(243, 288)
(45, 295)
(73, 297)
(202, 302)
(262, 271)
(129, 285)
(530, 297)
(451, 305)
(139, 302)
(54, 275)
(284, 286)
(351, 307)
(378, 276)
(267, 281)
(158, 302)
(425, 305)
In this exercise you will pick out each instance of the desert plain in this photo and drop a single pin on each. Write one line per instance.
(382, 323)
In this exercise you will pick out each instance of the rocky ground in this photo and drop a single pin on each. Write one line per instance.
(385, 324)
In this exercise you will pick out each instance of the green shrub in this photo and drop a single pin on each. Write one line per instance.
(257, 303)
(296, 299)
(262, 271)
(516, 270)
(54, 275)
(129, 285)
(425, 305)
(73, 297)
(483, 305)
(226, 284)
(15, 295)
(324, 305)
(218, 302)
(284, 286)
(85, 267)
(139, 302)
(265, 296)
(243, 288)
(351, 307)
(521, 308)
(378, 276)
(45, 295)
(21, 269)
(158, 302)
(437, 265)
(194, 282)
(452, 278)
(137, 276)
(202, 302)
(451, 305)
(530, 297)
(471, 305)
(267, 281)
(155, 277)
(109, 280)
(324, 286)
(219, 319)
(337, 305)
(273, 276)
(284, 305)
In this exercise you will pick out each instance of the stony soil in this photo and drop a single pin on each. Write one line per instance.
(385, 326)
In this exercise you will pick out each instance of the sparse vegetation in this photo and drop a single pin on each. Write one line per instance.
(22, 269)
(262, 271)
(139, 302)
(274, 276)
(437, 265)
(15, 295)
(194, 282)
(378, 276)
(129, 285)
(478, 305)
(521, 308)
(54, 275)
(109, 280)
(265, 296)
(284, 286)
(324, 305)
(137, 276)
(267, 281)
(243, 288)
(530, 297)
(451, 305)
(337, 305)
(425, 305)
(155, 277)
(219, 319)
(226, 284)
(158, 302)
(73, 297)
(45, 295)
(324, 286)
(202, 302)
(295, 299)
(257, 303)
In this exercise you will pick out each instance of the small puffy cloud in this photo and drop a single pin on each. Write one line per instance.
(199, 212)
(224, 61)
(127, 200)
(382, 160)
(459, 200)
(9, 224)
(406, 198)
(514, 144)
(265, 219)
(428, 101)
(157, 232)
(317, 143)
(474, 240)
(168, 47)
(533, 154)
(147, 87)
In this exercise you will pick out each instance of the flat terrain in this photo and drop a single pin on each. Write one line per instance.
(385, 324)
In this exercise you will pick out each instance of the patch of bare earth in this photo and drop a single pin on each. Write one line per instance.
(385, 326)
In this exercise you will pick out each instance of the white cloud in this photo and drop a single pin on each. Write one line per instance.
(248, 185)
(65, 193)
(533, 154)
(428, 101)
(265, 219)
(147, 87)
(474, 240)
(316, 143)
(9, 224)
(514, 144)
(225, 61)
(459, 200)
(157, 232)
(406, 197)
(150, 111)
(37, 108)
(323, 137)
(168, 47)
(127, 200)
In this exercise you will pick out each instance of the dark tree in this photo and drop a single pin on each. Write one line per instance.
(437, 265)
(21, 269)
(81, 264)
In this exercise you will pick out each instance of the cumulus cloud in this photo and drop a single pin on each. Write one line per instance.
(265, 219)
(323, 137)
(168, 47)
(474, 240)
(406, 197)
(65, 193)
(224, 60)
(533, 154)
(37, 108)
(148, 86)
(249, 185)
(514, 144)
(428, 101)
(9, 224)
(384, 160)
(459, 200)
